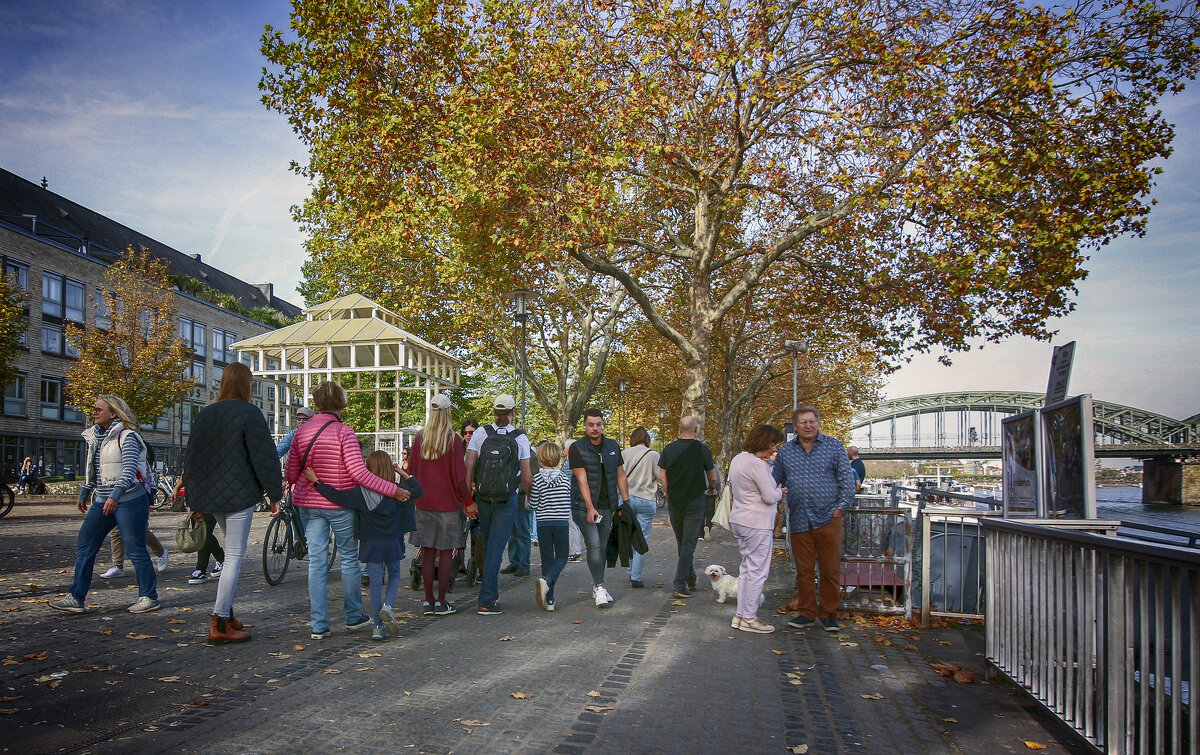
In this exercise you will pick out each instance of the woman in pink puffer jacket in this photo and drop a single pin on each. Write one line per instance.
(332, 449)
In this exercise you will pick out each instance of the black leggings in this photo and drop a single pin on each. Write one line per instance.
(211, 546)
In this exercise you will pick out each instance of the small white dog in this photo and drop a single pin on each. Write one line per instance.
(724, 583)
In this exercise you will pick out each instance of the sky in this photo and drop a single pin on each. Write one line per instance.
(149, 112)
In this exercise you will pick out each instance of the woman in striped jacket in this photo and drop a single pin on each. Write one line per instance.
(550, 498)
(332, 449)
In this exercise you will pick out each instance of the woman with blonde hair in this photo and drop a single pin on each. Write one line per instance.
(113, 481)
(332, 449)
(230, 463)
(436, 459)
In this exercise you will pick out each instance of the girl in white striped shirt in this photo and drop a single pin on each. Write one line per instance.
(550, 497)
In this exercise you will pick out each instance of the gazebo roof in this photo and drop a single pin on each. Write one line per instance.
(352, 334)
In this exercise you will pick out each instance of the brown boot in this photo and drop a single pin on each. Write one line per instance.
(234, 622)
(222, 631)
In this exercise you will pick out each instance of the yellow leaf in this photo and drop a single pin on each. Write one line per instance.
(593, 693)
(176, 621)
(508, 638)
(297, 648)
(798, 749)
(677, 602)
(779, 652)
(1034, 745)
(168, 678)
(520, 696)
(950, 720)
(332, 671)
(470, 722)
(369, 655)
(133, 636)
(599, 708)
(8, 711)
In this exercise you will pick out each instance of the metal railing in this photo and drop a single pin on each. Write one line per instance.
(1098, 629)
(876, 564)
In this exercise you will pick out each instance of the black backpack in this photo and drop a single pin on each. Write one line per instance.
(498, 470)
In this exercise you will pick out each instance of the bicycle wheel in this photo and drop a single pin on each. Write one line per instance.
(277, 549)
(159, 499)
(7, 497)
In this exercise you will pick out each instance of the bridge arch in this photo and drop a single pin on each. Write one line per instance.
(1115, 424)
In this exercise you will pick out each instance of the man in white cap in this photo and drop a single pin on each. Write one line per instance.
(497, 471)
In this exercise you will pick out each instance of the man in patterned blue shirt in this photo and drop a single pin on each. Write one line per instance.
(820, 486)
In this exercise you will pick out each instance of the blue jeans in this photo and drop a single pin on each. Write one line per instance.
(236, 526)
(317, 525)
(520, 544)
(644, 508)
(553, 539)
(595, 541)
(495, 527)
(130, 518)
(375, 570)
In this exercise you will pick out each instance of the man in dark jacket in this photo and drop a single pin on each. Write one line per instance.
(598, 490)
(687, 473)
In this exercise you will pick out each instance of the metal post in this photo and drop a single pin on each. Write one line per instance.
(520, 298)
(797, 348)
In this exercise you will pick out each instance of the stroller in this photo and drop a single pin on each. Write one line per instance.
(467, 560)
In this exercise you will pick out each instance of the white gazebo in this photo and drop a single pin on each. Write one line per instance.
(356, 342)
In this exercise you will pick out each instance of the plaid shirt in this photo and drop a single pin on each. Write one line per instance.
(817, 481)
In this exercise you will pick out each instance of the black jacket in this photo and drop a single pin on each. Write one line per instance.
(626, 537)
(230, 461)
(584, 454)
(390, 518)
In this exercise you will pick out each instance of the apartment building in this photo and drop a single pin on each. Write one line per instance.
(58, 251)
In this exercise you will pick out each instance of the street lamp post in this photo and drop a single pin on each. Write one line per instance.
(622, 384)
(520, 298)
(797, 348)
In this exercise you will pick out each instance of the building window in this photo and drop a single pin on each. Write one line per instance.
(223, 350)
(162, 424)
(218, 370)
(52, 294)
(103, 314)
(190, 410)
(256, 388)
(197, 372)
(53, 342)
(18, 272)
(52, 397)
(194, 335)
(271, 392)
(14, 397)
(73, 300)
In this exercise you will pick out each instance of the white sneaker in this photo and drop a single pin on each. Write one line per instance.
(162, 561)
(144, 605)
(114, 571)
(602, 596)
(216, 570)
(541, 590)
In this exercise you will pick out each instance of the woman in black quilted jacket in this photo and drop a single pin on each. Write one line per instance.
(231, 463)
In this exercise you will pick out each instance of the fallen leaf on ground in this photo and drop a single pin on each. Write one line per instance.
(599, 708)
(520, 695)
(1034, 745)
(910, 646)
(593, 693)
(8, 711)
(332, 671)
(798, 749)
(676, 602)
(876, 696)
(577, 621)
(962, 676)
(133, 636)
(176, 621)
(12, 608)
(168, 678)
(950, 720)
(945, 642)
(507, 638)
(779, 652)
(370, 655)
(11, 699)
(297, 648)
(945, 669)
(469, 722)
(35, 656)
(915, 637)
(848, 644)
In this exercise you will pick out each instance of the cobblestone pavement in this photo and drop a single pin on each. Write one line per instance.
(650, 674)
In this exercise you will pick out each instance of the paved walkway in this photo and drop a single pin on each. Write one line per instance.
(646, 675)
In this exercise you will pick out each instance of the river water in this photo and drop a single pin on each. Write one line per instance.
(1126, 505)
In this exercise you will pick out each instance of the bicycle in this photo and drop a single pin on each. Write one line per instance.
(285, 541)
(7, 498)
(163, 492)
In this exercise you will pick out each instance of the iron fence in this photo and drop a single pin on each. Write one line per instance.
(1099, 630)
(877, 560)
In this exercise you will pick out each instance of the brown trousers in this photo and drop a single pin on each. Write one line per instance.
(118, 548)
(819, 549)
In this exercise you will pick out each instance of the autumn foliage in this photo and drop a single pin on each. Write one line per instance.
(132, 349)
(909, 175)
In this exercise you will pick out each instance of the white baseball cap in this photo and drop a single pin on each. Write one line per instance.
(440, 401)
(504, 402)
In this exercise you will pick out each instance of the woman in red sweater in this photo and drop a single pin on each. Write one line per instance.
(436, 459)
(332, 449)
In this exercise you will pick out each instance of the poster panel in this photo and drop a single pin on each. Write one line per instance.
(1021, 451)
(1068, 439)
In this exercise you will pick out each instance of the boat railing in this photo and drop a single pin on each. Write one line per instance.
(1100, 630)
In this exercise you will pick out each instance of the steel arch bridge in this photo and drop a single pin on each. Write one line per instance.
(1115, 424)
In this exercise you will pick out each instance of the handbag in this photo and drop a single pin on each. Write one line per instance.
(724, 507)
(190, 534)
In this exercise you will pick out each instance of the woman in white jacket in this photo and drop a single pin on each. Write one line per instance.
(752, 518)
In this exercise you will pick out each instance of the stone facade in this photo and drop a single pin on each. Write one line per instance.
(63, 273)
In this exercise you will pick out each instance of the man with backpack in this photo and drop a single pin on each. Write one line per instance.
(497, 470)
